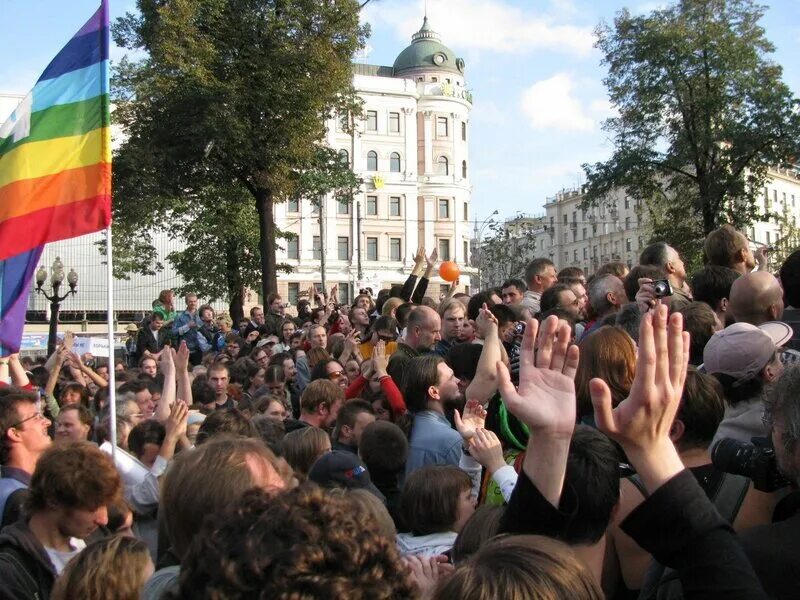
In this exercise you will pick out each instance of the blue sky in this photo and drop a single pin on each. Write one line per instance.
(537, 81)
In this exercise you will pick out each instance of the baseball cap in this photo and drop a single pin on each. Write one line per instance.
(741, 350)
(269, 340)
(343, 469)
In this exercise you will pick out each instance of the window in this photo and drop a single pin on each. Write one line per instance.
(372, 120)
(345, 294)
(768, 238)
(575, 255)
(566, 219)
(444, 209)
(372, 248)
(466, 251)
(293, 248)
(343, 247)
(372, 206)
(293, 293)
(628, 245)
(566, 257)
(316, 248)
(766, 199)
(372, 160)
(395, 252)
(343, 207)
(444, 249)
(434, 79)
(583, 233)
(585, 252)
(463, 131)
(394, 122)
(345, 156)
(441, 127)
(343, 122)
(466, 211)
(443, 166)
(394, 206)
(792, 200)
(463, 169)
(394, 162)
(627, 202)
(627, 222)
(641, 242)
(293, 205)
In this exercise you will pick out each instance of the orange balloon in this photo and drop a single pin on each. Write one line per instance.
(449, 270)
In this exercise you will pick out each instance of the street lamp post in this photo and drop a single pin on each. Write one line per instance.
(56, 279)
(479, 236)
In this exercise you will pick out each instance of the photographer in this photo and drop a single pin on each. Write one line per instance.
(774, 550)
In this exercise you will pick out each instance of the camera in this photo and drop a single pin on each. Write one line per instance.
(519, 328)
(754, 459)
(662, 288)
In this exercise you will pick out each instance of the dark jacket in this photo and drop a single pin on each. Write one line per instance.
(146, 341)
(25, 569)
(774, 552)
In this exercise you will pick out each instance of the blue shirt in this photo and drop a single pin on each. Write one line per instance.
(185, 333)
(433, 442)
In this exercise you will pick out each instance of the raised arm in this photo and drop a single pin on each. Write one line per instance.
(484, 385)
(77, 363)
(19, 377)
(422, 285)
(168, 392)
(416, 271)
(181, 361)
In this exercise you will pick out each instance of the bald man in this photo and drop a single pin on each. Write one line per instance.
(757, 298)
(423, 332)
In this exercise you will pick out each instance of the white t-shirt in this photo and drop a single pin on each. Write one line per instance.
(60, 559)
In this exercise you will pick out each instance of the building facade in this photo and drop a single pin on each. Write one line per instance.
(410, 147)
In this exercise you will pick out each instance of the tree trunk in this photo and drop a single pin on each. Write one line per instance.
(266, 229)
(234, 282)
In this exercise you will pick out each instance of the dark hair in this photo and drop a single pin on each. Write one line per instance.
(77, 475)
(77, 387)
(517, 283)
(85, 416)
(275, 373)
(616, 268)
(463, 359)
(790, 279)
(320, 370)
(721, 246)
(279, 358)
(421, 372)
(656, 254)
(550, 298)
(593, 475)
(244, 369)
(383, 324)
(225, 421)
(383, 448)
(521, 566)
(202, 392)
(712, 283)
(304, 542)
(571, 275)
(146, 432)
(136, 386)
(401, 313)
(429, 500)
(504, 314)
(481, 527)
(699, 320)
(348, 414)
(477, 301)
(271, 431)
(631, 281)
(536, 267)
(9, 415)
(701, 410)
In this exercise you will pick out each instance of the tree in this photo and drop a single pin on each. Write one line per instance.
(703, 112)
(506, 251)
(232, 94)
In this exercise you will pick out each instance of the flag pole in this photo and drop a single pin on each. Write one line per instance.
(112, 393)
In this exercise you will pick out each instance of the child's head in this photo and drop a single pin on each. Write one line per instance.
(436, 499)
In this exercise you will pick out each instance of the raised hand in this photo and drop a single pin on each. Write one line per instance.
(485, 447)
(474, 418)
(167, 362)
(419, 257)
(642, 421)
(380, 362)
(545, 400)
(431, 260)
(486, 323)
(181, 357)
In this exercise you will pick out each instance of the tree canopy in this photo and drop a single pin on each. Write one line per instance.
(702, 110)
(230, 100)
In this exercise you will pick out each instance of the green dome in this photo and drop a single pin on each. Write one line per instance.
(427, 52)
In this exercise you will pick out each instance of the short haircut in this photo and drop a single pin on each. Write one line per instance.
(156, 316)
(146, 432)
(783, 405)
(463, 359)
(517, 283)
(656, 254)
(271, 431)
(272, 297)
(550, 298)
(631, 281)
(616, 268)
(254, 309)
(598, 291)
(477, 301)
(348, 414)
(536, 267)
(418, 317)
(429, 500)
(383, 448)
(699, 320)
(701, 410)
(9, 416)
(202, 392)
(226, 421)
(402, 313)
(721, 246)
(305, 542)
(302, 447)
(421, 372)
(451, 304)
(219, 366)
(320, 393)
(279, 358)
(503, 313)
(206, 480)
(593, 476)
(384, 324)
(77, 475)
(712, 283)
(790, 279)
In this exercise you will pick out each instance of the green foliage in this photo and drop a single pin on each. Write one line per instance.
(701, 108)
(505, 252)
(230, 95)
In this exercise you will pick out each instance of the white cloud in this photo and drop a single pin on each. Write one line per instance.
(550, 104)
(493, 25)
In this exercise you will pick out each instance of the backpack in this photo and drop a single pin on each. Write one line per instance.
(8, 486)
(662, 582)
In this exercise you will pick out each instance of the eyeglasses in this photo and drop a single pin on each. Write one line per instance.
(335, 375)
(36, 415)
(386, 337)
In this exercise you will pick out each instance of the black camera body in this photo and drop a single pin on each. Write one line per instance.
(519, 328)
(754, 459)
(662, 287)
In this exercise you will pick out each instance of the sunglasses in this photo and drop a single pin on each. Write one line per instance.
(335, 375)
(386, 338)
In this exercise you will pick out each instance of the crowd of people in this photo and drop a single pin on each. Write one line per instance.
(629, 434)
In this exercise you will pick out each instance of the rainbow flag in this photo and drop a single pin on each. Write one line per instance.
(55, 166)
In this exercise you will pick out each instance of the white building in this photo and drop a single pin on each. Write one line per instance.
(617, 229)
(410, 147)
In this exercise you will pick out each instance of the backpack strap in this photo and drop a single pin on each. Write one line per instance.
(8, 485)
(730, 495)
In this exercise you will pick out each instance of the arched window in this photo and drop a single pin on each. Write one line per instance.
(345, 156)
(394, 162)
(463, 169)
(443, 166)
(372, 160)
